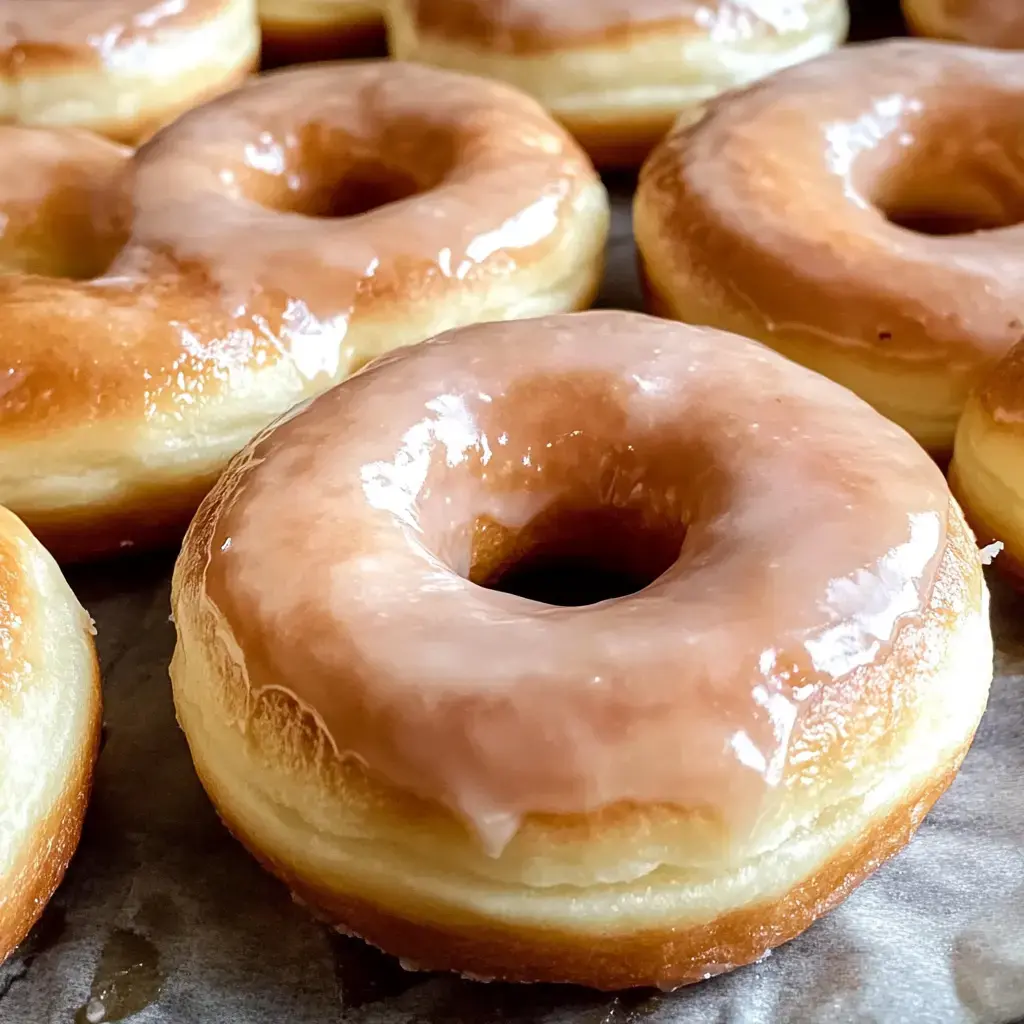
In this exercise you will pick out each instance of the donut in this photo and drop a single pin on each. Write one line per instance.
(273, 241)
(395, 699)
(853, 213)
(617, 73)
(49, 727)
(987, 469)
(305, 30)
(997, 23)
(61, 202)
(120, 67)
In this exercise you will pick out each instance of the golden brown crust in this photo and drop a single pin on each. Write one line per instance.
(136, 131)
(615, 73)
(149, 517)
(240, 292)
(1006, 562)
(44, 847)
(64, 35)
(122, 68)
(1001, 393)
(352, 789)
(525, 28)
(984, 473)
(480, 948)
(33, 880)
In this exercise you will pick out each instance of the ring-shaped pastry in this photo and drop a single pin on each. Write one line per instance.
(987, 470)
(120, 67)
(267, 245)
(617, 73)
(644, 790)
(858, 214)
(49, 727)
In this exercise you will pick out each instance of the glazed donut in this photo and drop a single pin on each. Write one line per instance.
(987, 471)
(49, 727)
(998, 23)
(279, 238)
(853, 214)
(645, 790)
(303, 30)
(62, 208)
(120, 67)
(616, 72)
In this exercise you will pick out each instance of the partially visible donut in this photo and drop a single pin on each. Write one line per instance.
(49, 727)
(860, 214)
(121, 68)
(617, 73)
(264, 247)
(305, 30)
(782, 670)
(997, 23)
(987, 471)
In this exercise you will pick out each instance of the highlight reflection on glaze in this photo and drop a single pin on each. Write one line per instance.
(349, 558)
(237, 263)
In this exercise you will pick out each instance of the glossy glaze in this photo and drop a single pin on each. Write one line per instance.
(792, 204)
(529, 25)
(1001, 394)
(243, 254)
(110, 32)
(811, 532)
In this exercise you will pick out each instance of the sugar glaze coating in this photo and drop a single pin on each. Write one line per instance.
(860, 214)
(642, 790)
(120, 67)
(688, 692)
(248, 276)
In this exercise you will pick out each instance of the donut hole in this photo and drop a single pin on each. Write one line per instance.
(74, 235)
(80, 253)
(953, 191)
(573, 557)
(324, 173)
(947, 216)
(361, 187)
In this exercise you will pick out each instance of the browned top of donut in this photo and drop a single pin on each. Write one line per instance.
(534, 26)
(812, 579)
(248, 251)
(793, 197)
(36, 34)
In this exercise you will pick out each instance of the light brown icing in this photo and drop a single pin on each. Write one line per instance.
(241, 257)
(62, 209)
(811, 531)
(536, 25)
(998, 23)
(780, 197)
(91, 32)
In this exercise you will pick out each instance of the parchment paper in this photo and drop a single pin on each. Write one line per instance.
(163, 913)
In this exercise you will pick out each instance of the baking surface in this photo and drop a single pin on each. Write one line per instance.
(164, 918)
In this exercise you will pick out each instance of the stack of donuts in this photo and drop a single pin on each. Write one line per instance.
(524, 642)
